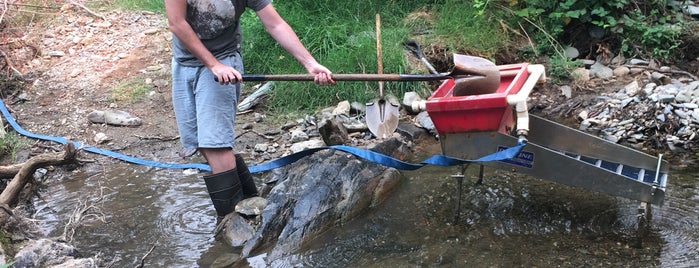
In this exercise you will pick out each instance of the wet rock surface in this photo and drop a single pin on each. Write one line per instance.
(315, 194)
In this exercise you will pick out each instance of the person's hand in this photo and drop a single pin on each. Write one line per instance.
(323, 75)
(226, 74)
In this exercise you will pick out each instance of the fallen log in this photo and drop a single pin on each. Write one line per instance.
(9, 171)
(9, 195)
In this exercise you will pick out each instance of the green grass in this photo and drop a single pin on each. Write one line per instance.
(11, 143)
(149, 5)
(460, 26)
(342, 36)
(129, 91)
(339, 39)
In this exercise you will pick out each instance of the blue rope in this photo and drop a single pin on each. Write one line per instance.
(438, 160)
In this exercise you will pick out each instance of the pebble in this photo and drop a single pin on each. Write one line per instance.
(151, 31)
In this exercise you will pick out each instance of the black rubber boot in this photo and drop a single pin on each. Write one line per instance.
(246, 180)
(224, 190)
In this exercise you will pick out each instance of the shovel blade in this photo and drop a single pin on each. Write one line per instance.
(382, 118)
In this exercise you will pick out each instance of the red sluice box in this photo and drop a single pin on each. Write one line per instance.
(476, 113)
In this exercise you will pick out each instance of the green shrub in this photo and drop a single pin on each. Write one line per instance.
(633, 26)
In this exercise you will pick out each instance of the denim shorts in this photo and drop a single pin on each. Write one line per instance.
(204, 109)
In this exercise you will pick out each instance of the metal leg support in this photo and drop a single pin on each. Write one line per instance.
(645, 216)
(459, 186)
(480, 176)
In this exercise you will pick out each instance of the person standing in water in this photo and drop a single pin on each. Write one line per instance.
(206, 83)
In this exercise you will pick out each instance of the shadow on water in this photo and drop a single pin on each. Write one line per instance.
(508, 221)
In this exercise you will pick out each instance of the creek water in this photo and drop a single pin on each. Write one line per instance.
(165, 217)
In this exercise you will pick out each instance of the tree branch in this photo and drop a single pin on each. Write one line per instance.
(14, 187)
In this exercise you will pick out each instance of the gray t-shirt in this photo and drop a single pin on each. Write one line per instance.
(216, 22)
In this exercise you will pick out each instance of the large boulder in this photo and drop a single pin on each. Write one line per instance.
(316, 193)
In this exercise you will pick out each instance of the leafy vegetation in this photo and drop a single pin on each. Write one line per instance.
(341, 35)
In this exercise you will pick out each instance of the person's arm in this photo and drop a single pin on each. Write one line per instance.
(176, 11)
(287, 38)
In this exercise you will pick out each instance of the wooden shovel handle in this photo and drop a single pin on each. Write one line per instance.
(379, 55)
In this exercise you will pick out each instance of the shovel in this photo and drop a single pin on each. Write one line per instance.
(415, 48)
(381, 114)
(472, 75)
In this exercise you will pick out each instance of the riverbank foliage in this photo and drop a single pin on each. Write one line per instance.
(342, 35)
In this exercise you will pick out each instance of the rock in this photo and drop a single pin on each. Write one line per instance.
(626, 102)
(621, 71)
(588, 63)
(691, 10)
(618, 60)
(566, 91)
(581, 75)
(411, 131)
(333, 132)
(261, 147)
(236, 230)
(114, 117)
(661, 117)
(632, 88)
(423, 119)
(393, 147)
(101, 138)
(633, 71)
(638, 62)
(695, 115)
(48, 253)
(355, 126)
(252, 206)
(683, 97)
(298, 136)
(660, 78)
(690, 105)
(408, 99)
(151, 31)
(309, 144)
(342, 108)
(315, 194)
(601, 71)
(57, 54)
(583, 115)
(571, 52)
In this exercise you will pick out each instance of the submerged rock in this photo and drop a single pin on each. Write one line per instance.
(49, 253)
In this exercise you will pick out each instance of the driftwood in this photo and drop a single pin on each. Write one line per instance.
(662, 71)
(9, 170)
(26, 171)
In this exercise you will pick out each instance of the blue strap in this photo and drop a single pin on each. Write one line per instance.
(78, 145)
(438, 160)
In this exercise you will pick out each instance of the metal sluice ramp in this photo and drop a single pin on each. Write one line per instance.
(471, 126)
(568, 156)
